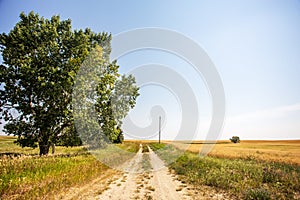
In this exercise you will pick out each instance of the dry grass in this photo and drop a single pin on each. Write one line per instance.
(287, 151)
(243, 177)
(25, 175)
(8, 147)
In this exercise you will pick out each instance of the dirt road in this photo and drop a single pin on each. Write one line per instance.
(146, 180)
(143, 177)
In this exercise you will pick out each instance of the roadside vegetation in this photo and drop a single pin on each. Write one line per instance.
(145, 149)
(146, 163)
(132, 147)
(243, 178)
(157, 146)
(26, 175)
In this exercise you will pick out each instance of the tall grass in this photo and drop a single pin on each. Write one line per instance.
(243, 178)
(26, 175)
(36, 177)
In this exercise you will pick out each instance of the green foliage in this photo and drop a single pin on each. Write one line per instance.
(41, 58)
(157, 146)
(100, 108)
(235, 139)
(124, 97)
(120, 136)
(69, 138)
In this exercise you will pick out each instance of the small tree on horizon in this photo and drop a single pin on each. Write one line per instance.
(235, 139)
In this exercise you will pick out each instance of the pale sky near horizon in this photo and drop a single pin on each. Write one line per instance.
(254, 44)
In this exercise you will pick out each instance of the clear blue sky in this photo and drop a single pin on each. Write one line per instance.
(254, 44)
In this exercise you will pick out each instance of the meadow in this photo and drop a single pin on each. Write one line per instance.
(286, 151)
(26, 175)
(238, 170)
(248, 170)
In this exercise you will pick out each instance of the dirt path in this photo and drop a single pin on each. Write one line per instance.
(166, 186)
(126, 185)
(147, 179)
(144, 177)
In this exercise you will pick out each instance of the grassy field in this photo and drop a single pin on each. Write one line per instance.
(248, 170)
(242, 176)
(25, 175)
(287, 151)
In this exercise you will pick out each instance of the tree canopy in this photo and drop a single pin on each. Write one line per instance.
(41, 58)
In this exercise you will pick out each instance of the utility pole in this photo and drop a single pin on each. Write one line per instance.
(159, 127)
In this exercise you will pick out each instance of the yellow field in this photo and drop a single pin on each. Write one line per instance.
(287, 151)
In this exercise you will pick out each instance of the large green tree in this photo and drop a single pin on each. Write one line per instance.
(101, 99)
(41, 58)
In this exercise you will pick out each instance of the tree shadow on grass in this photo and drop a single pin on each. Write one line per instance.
(10, 154)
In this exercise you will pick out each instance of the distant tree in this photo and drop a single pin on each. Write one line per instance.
(235, 139)
(41, 58)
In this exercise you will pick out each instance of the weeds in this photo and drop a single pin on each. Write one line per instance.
(115, 155)
(257, 194)
(25, 175)
(145, 149)
(29, 177)
(157, 146)
(132, 147)
(146, 164)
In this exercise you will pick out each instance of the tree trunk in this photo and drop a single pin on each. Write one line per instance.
(44, 149)
(53, 148)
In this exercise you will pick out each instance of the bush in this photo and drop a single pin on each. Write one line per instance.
(235, 139)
